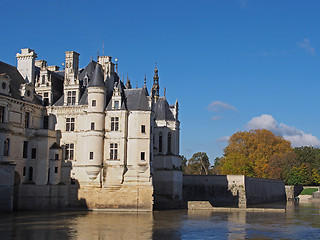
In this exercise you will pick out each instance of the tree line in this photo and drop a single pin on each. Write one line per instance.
(260, 153)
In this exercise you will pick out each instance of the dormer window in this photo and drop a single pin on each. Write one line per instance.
(116, 104)
(46, 99)
(5, 81)
(71, 100)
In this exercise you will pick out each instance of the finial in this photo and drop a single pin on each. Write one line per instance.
(145, 81)
(103, 48)
(137, 84)
(156, 65)
(116, 65)
(91, 58)
(164, 92)
(97, 56)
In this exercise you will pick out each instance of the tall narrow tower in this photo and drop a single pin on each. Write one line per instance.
(95, 123)
(71, 81)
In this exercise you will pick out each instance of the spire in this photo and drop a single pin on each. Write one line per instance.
(164, 92)
(145, 81)
(97, 77)
(128, 84)
(155, 87)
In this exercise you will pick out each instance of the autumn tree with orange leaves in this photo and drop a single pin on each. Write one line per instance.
(256, 153)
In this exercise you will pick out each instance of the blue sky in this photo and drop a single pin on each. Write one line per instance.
(232, 64)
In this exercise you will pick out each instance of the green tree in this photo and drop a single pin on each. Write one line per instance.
(184, 161)
(198, 164)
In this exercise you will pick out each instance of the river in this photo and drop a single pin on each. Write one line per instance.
(301, 221)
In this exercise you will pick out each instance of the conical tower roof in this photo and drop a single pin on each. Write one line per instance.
(97, 78)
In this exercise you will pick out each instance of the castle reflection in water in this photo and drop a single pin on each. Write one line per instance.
(299, 222)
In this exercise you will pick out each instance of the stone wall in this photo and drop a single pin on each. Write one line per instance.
(231, 190)
(125, 198)
(6, 186)
(260, 190)
(42, 197)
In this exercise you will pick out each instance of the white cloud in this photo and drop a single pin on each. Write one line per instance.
(218, 106)
(295, 136)
(243, 3)
(224, 139)
(215, 118)
(307, 46)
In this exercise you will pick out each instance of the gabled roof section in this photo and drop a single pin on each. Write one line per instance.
(136, 99)
(97, 78)
(162, 110)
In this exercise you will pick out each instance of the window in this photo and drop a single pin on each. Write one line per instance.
(160, 142)
(43, 79)
(113, 151)
(2, 113)
(30, 173)
(46, 99)
(24, 171)
(143, 129)
(4, 85)
(27, 120)
(116, 104)
(45, 122)
(70, 124)
(56, 156)
(33, 153)
(169, 142)
(56, 170)
(71, 99)
(6, 146)
(25, 149)
(91, 155)
(69, 151)
(92, 126)
(114, 124)
(94, 103)
(143, 156)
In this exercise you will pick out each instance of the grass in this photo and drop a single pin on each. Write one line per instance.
(308, 191)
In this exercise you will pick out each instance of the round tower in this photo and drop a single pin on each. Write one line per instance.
(95, 123)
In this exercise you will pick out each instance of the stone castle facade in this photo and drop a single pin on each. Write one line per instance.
(82, 137)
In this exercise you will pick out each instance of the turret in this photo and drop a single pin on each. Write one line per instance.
(95, 122)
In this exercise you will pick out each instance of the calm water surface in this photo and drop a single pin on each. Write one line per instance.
(301, 221)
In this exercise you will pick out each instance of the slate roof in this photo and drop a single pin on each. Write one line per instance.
(16, 81)
(162, 110)
(88, 70)
(97, 78)
(136, 99)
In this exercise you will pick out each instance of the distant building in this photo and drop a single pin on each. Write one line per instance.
(106, 144)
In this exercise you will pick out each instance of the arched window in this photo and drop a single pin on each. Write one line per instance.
(169, 142)
(160, 142)
(30, 173)
(6, 146)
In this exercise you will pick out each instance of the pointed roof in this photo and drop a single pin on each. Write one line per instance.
(162, 110)
(97, 78)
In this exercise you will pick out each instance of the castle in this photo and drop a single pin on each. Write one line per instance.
(84, 138)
